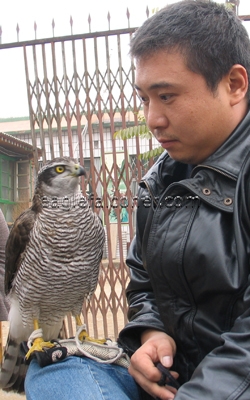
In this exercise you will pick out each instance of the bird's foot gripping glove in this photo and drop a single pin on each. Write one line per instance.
(107, 353)
(48, 355)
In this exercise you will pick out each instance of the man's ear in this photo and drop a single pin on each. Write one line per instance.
(238, 83)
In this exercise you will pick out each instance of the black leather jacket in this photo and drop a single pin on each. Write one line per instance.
(190, 268)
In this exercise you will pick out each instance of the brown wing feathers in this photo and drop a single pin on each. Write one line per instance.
(16, 244)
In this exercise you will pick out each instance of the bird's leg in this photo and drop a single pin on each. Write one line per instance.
(84, 334)
(38, 343)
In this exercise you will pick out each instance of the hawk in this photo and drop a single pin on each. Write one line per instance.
(53, 255)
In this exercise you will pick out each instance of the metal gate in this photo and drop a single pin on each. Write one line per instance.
(80, 91)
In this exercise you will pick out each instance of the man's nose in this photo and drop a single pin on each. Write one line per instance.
(156, 118)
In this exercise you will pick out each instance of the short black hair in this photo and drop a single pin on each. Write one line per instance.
(211, 38)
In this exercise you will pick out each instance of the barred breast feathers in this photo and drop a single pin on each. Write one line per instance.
(65, 251)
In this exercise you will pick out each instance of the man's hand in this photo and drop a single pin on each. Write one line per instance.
(156, 347)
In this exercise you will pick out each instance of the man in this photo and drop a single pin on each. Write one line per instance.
(189, 294)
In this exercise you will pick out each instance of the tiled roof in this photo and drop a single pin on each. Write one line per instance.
(12, 146)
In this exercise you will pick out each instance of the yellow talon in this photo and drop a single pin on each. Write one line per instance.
(38, 345)
(83, 336)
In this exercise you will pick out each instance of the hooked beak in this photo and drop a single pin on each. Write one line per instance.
(79, 170)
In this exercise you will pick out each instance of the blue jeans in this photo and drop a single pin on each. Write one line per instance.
(80, 378)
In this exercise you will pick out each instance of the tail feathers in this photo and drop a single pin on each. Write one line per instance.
(13, 369)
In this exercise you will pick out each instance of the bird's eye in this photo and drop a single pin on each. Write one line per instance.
(60, 169)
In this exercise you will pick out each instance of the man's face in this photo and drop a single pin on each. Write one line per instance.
(186, 117)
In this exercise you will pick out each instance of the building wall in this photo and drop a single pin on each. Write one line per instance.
(144, 143)
(16, 185)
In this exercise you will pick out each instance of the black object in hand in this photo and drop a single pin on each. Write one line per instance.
(166, 377)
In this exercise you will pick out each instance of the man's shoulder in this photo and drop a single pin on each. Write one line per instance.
(165, 171)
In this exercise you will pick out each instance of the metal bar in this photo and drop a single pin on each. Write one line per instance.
(67, 105)
(108, 17)
(17, 31)
(35, 29)
(123, 115)
(128, 17)
(136, 110)
(53, 27)
(151, 160)
(78, 113)
(32, 127)
(112, 126)
(71, 25)
(56, 93)
(66, 38)
(38, 97)
(48, 103)
(89, 22)
(89, 117)
(244, 17)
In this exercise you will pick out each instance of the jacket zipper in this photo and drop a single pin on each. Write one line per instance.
(213, 169)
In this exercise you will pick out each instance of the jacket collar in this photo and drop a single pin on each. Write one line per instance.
(230, 156)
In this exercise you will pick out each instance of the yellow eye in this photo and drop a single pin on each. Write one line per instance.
(60, 169)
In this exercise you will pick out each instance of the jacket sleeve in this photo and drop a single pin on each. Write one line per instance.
(224, 373)
(142, 313)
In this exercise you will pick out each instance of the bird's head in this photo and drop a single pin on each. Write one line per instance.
(59, 177)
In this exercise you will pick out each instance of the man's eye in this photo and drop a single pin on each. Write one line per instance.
(143, 99)
(165, 97)
(60, 169)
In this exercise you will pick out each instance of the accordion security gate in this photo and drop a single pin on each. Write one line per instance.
(80, 91)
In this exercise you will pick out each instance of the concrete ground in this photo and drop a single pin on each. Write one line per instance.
(11, 396)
